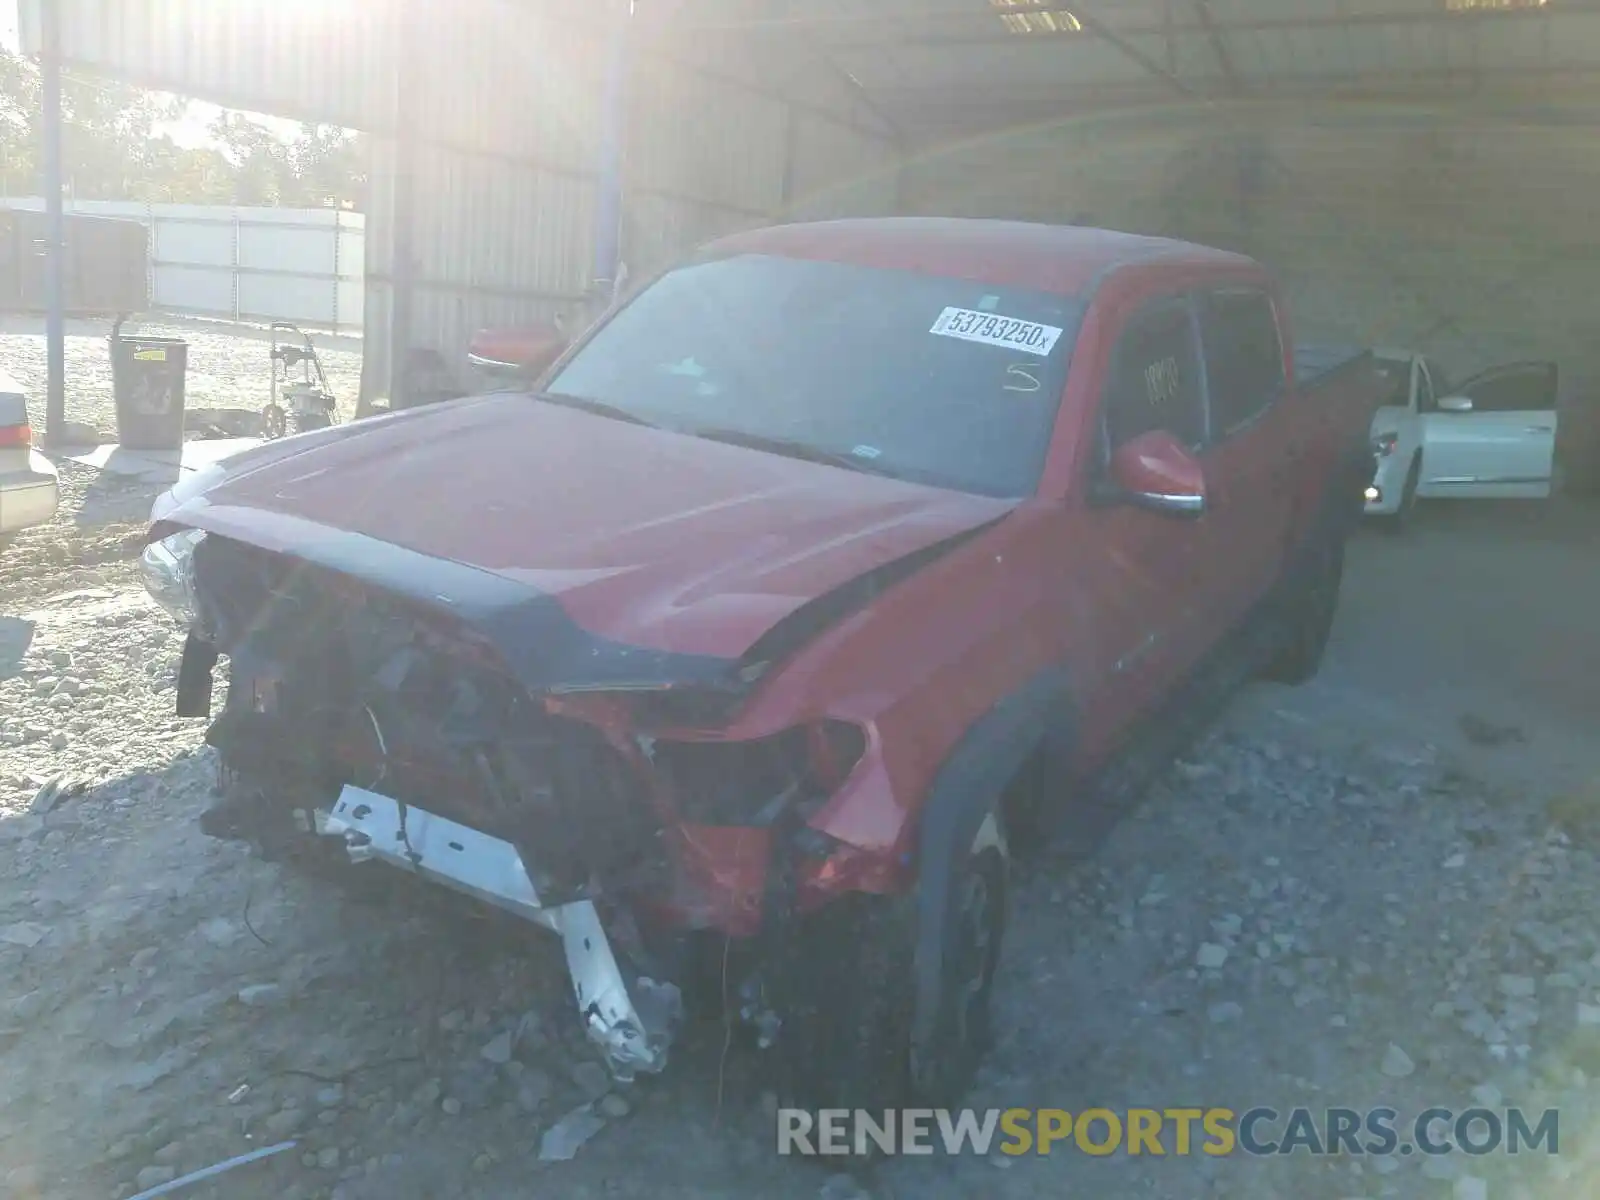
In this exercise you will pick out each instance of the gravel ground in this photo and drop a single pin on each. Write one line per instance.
(1296, 915)
(227, 366)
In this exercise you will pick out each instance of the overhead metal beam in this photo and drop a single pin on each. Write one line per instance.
(613, 142)
(1169, 25)
(1093, 24)
(855, 18)
(863, 95)
(931, 110)
(893, 35)
(1219, 47)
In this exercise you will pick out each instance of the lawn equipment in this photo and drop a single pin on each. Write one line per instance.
(300, 398)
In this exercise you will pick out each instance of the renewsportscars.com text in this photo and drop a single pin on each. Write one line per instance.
(1179, 1132)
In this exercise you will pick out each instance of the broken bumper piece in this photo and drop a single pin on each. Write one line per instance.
(632, 1026)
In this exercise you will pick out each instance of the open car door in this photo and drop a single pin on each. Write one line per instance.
(1493, 436)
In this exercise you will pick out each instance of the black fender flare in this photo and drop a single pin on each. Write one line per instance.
(964, 793)
(1335, 514)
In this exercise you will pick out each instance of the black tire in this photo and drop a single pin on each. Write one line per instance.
(847, 1030)
(1311, 609)
(1397, 521)
(1033, 802)
(964, 1025)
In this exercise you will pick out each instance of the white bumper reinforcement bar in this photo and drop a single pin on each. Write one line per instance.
(633, 1030)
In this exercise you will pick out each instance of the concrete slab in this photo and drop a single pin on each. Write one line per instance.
(161, 466)
(1480, 614)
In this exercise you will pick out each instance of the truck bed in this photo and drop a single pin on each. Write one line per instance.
(1315, 363)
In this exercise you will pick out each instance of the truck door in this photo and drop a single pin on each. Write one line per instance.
(1150, 586)
(1253, 447)
(1493, 436)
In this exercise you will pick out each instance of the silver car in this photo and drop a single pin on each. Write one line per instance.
(27, 478)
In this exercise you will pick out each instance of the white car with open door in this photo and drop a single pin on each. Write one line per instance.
(1492, 437)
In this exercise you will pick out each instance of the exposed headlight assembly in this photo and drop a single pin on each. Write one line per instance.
(168, 570)
(753, 782)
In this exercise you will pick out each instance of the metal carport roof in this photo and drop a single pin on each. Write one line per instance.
(929, 67)
(748, 111)
(940, 67)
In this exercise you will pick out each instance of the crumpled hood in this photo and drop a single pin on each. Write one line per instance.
(643, 537)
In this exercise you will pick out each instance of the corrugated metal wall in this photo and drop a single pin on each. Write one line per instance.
(704, 157)
(840, 170)
(505, 188)
(243, 264)
(503, 102)
(327, 61)
(505, 119)
(1466, 234)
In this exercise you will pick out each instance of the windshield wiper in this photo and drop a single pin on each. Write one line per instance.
(598, 407)
(787, 447)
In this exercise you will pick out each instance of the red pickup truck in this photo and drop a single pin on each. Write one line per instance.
(811, 578)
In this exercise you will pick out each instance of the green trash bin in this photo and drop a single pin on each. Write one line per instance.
(147, 382)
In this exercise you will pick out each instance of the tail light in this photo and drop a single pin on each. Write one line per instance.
(1383, 445)
(15, 435)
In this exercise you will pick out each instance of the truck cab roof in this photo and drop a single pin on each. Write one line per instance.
(1064, 259)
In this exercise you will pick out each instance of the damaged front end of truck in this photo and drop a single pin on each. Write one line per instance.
(389, 706)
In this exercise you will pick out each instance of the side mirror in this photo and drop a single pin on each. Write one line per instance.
(1155, 471)
(1455, 404)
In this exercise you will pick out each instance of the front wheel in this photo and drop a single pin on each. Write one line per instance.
(847, 1031)
(1309, 620)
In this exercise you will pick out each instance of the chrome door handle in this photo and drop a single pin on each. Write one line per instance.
(1537, 429)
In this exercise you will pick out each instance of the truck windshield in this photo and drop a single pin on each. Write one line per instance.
(912, 376)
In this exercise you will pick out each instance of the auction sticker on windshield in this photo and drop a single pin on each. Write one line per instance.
(992, 329)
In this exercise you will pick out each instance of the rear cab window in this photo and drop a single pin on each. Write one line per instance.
(1244, 356)
(1514, 389)
(1154, 381)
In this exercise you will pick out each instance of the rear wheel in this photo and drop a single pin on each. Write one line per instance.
(1311, 609)
(847, 1031)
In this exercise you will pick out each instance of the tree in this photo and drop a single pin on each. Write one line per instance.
(330, 164)
(111, 149)
(260, 161)
(19, 106)
(325, 164)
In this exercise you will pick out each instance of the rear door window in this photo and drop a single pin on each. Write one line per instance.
(1155, 378)
(1244, 356)
(1520, 388)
